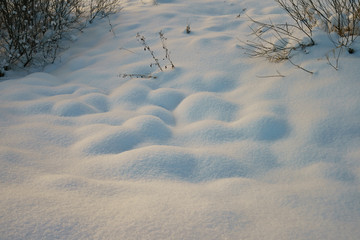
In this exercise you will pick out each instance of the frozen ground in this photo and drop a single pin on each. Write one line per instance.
(208, 150)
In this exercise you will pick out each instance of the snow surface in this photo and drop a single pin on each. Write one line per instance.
(213, 149)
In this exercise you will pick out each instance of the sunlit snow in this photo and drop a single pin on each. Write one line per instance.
(219, 147)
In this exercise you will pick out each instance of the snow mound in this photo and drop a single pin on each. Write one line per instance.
(210, 132)
(131, 94)
(97, 100)
(201, 106)
(265, 127)
(155, 162)
(213, 81)
(177, 163)
(71, 108)
(117, 139)
(110, 140)
(166, 98)
(165, 115)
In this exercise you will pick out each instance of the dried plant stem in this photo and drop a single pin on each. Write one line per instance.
(111, 26)
(298, 66)
(122, 48)
(136, 75)
(272, 76)
(142, 40)
(336, 57)
(167, 52)
(188, 29)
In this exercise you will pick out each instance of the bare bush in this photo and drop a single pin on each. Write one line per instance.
(102, 8)
(339, 16)
(276, 42)
(34, 28)
(31, 30)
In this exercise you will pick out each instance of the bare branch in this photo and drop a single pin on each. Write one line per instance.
(272, 76)
(298, 66)
(136, 75)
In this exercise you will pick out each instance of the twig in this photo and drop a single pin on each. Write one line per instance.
(122, 48)
(111, 26)
(298, 66)
(136, 75)
(188, 29)
(167, 52)
(272, 76)
(336, 66)
(142, 40)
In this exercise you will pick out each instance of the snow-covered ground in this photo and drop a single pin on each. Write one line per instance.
(213, 149)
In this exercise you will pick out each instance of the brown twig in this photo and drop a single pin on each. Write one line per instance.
(142, 40)
(272, 76)
(298, 66)
(136, 75)
(167, 52)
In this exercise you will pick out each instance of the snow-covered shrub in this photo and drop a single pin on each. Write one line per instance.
(101, 8)
(31, 30)
(275, 42)
(340, 18)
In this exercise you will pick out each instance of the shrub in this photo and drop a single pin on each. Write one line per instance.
(34, 28)
(30, 30)
(101, 8)
(339, 17)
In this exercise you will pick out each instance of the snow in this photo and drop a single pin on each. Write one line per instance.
(217, 148)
